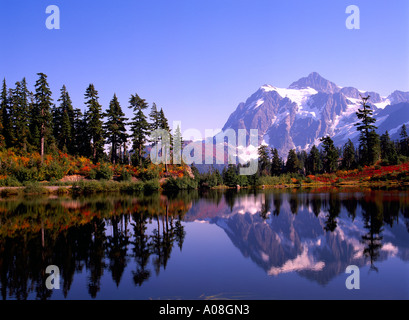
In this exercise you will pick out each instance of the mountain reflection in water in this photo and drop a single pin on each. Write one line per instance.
(313, 234)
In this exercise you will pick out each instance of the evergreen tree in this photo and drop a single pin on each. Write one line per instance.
(264, 165)
(20, 116)
(292, 165)
(115, 130)
(139, 128)
(302, 158)
(388, 151)
(331, 156)
(154, 125)
(8, 114)
(276, 163)
(64, 128)
(95, 130)
(404, 141)
(177, 146)
(82, 140)
(348, 156)
(166, 140)
(42, 112)
(154, 118)
(230, 178)
(3, 114)
(374, 147)
(368, 147)
(3, 106)
(313, 163)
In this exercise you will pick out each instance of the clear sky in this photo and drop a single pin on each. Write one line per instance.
(198, 59)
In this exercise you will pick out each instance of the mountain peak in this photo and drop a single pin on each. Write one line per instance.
(316, 81)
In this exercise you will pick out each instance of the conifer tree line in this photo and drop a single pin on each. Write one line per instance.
(34, 122)
(373, 148)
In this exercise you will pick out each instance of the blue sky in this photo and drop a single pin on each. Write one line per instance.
(198, 59)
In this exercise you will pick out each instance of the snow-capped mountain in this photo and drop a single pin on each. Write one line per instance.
(313, 107)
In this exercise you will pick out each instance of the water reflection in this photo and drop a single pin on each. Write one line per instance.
(91, 234)
(315, 234)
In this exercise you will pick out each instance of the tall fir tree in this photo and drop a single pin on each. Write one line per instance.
(95, 130)
(330, 160)
(264, 164)
(302, 158)
(153, 126)
(82, 140)
(292, 165)
(8, 113)
(369, 140)
(139, 128)
(276, 163)
(404, 141)
(166, 139)
(22, 115)
(388, 151)
(114, 127)
(230, 177)
(348, 156)
(3, 113)
(154, 117)
(313, 162)
(64, 128)
(42, 112)
(177, 146)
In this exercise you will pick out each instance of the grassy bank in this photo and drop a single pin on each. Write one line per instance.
(82, 187)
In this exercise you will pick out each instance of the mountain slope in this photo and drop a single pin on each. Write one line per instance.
(313, 107)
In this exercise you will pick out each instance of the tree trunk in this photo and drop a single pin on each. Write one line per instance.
(42, 148)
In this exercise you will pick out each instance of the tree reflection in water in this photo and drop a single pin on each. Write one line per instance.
(106, 234)
(74, 234)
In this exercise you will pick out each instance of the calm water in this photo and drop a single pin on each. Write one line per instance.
(221, 245)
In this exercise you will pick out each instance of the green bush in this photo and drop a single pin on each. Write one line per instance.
(125, 175)
(24, 174)
(104, 172)
(185, 183)
(35, 188)
(10, 182)
(88, 187)
(148, 175)
(54, 171)
(92, 174)
(308, 180)
(152, 185)
(132, 187)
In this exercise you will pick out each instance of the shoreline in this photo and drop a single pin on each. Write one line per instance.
(111, 186)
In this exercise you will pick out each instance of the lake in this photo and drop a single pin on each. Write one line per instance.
(281, 244)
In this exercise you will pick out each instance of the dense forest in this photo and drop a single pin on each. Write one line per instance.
(32, 122)
(42, 139)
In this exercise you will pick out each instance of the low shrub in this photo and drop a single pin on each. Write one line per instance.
(149, 174)
(54, 171)
(185, 183)
(35, 188)
(10, 182)
(132, 187)
(104, 172)
(151, 185)
(24, 174)
(308, 180)
(125, 175)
